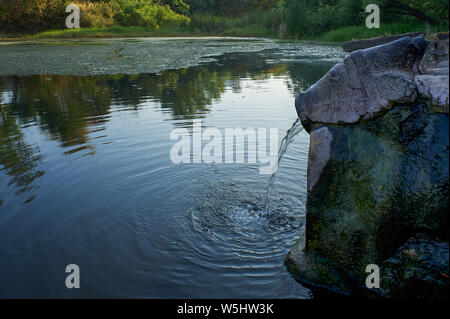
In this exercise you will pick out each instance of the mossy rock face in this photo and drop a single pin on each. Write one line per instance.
(418, 269)
(386, 180)
(316, 272)
(378, 182)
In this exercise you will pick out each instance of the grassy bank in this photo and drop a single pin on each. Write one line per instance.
(252, 30)
(253, 25)
(361, 32)
(132, 32)
(107, 32)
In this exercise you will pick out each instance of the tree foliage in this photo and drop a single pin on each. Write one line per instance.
(38, 15)
(432, 12)
(149, 13)
(297, 17)
(306, 17)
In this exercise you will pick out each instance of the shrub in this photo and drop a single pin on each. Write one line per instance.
(31, 15)
(148, 14)
(38, 15)
(207, 23)
(95, 14)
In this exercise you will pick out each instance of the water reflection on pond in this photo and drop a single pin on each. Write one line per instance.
(86, 177)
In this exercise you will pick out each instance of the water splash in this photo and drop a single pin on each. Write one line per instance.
(296, 128)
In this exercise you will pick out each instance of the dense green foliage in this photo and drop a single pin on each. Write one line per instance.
(37, 15)
(283, 18)
(306, 18)
(147, 14)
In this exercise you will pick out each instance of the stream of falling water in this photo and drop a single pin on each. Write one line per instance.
(296, 128)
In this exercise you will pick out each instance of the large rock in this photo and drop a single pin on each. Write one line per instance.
(364, 84)
(377, 175)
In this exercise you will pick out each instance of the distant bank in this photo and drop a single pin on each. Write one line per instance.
(339, 35)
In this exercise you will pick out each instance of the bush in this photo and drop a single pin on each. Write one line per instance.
(148, 14)
(25, 16)
(97, 14)
(31, 15)
(37, 15)
(211, 24)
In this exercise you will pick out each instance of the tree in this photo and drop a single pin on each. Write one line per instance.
(429, 11)
(179, 6)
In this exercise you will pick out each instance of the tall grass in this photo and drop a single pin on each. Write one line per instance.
(256, 24)
(362, 32)
(95, 32)
(225, 27)
(252, 24)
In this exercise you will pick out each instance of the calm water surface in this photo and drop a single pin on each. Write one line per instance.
(86, 175)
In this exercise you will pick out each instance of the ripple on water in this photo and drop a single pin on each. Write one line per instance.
(246, 231)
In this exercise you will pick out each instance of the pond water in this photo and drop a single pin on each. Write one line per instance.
(86, 175)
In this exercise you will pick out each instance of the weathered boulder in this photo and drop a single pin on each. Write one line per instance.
(364, 84)
(378, 182)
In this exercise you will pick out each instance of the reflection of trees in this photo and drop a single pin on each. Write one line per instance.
(19, 160)
(69, 108)
(64, 105)
(185, 92)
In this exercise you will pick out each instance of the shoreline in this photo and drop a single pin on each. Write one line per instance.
(341, 35)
